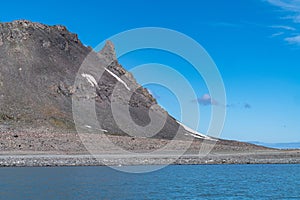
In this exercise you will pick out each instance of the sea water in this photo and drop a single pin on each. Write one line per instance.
(172, 182)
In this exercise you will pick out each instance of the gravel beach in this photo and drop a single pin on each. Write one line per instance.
(40, 148)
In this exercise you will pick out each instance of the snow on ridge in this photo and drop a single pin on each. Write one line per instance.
(90, 79)
(88, 126)
(118, 78)
(195, 133)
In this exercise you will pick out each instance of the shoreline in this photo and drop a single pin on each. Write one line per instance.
(56, 160)
(35, 147)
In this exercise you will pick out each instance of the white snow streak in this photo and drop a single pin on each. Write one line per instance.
(87, 126)
(119, 79)
(103, 130)
(90, 79)
(195, 133)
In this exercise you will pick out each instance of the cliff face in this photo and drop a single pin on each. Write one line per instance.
(38, 67)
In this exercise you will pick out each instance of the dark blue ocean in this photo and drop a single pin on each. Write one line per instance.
(173, 182)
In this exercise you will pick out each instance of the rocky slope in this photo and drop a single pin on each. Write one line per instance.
(38, 67)
(41, 78)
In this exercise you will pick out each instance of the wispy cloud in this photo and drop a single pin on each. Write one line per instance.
(292, 10)
(294, 18)
(283, 30)
(277, 34)
(289, 28)
(293, 40)
(290, 5)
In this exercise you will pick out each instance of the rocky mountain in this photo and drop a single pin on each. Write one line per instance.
(38, 68)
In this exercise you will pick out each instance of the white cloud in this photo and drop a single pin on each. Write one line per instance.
(292, 7)
(207, 100)
(289, 5)
(277, 34)
(295, 18)
(293, 40)
(289, 28)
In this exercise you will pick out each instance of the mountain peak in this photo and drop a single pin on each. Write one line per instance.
(109, 51)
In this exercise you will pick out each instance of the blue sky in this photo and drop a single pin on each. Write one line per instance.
(254, 43)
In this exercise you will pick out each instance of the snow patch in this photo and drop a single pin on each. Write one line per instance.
(118, 78)
(88, 126)
(90, 79)
(195, 133)
(104, 130)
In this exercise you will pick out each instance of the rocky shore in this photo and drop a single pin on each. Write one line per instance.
(35, 148)
(291, 157)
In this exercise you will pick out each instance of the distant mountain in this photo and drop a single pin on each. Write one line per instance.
(290, 145)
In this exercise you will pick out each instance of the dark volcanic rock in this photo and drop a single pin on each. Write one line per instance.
(38, 67)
